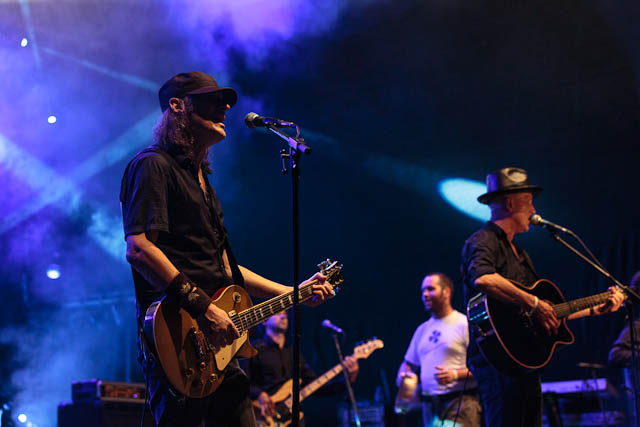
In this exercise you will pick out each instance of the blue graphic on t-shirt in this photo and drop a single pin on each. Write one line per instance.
(435, 336)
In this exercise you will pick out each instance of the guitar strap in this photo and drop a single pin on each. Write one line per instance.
(236, 275)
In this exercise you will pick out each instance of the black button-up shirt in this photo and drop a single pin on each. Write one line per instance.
(161, 192)
(488, 251)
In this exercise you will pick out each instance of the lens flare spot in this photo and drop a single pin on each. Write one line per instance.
(24, 42)
(53, 272)
(52, 119)
(22, 418)
(462, 194)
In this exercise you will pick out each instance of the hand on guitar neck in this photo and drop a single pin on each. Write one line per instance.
(614, 301)
(322, 291)
(547, 316)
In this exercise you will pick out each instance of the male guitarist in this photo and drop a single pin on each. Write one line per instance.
(271, 368)
(490, 259)
(179, 248)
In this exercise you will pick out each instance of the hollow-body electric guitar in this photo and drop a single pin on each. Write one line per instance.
(283, 399)
(510, 339)
(192, 366)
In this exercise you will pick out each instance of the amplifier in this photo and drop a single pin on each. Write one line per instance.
(371, 414)
(108, 391)
(100, 413)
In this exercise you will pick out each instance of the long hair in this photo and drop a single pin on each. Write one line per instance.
(173, 133)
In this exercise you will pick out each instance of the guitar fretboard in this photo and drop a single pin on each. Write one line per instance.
(257, 314)
(313, 386)
(566, 308)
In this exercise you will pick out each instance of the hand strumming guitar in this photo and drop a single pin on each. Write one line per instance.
(222, 331)
(267, 407)
(546, 315)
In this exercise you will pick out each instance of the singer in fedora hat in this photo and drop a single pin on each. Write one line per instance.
(490, 260)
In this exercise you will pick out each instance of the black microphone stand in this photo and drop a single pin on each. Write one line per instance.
(356, 415)
(296, 146)
(632, 298)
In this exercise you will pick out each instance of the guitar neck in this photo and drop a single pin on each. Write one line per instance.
(566, 308)
(259, 313)
(313, 386)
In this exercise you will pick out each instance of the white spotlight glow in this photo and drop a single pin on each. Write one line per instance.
(52, 119)
(24, 42)
(22, 418)
(53, 272)
(462, 194)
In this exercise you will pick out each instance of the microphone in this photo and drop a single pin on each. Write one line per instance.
(326, 323)
(253, 120)
(536, 219)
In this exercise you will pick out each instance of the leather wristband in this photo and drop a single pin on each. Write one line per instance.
(193, 299)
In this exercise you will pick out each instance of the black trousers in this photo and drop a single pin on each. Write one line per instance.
(509, 401)
(229, 405)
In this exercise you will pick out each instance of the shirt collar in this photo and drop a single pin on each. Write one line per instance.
(492, 226)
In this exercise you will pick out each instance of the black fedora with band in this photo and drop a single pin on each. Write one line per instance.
(507, 181)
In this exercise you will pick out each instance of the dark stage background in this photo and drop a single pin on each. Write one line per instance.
(394, 97)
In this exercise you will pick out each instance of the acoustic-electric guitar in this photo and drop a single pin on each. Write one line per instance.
(514, 342)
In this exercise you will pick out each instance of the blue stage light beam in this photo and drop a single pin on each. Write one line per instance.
(462, 194)
(28, 23)
(128, 78)
(53, 188)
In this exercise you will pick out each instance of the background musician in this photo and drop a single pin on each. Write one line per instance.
(272, 367)
(438, 355)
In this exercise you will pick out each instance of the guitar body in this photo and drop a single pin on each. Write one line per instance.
(508, 338)
(281, 400)
(192, 366)
(189, 362)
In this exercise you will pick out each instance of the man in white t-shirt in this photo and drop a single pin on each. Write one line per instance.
(437, 354)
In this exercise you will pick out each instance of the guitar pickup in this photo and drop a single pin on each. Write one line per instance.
(195, 337)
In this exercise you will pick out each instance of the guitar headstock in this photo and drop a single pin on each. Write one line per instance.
(333, 271)
(365, 349)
